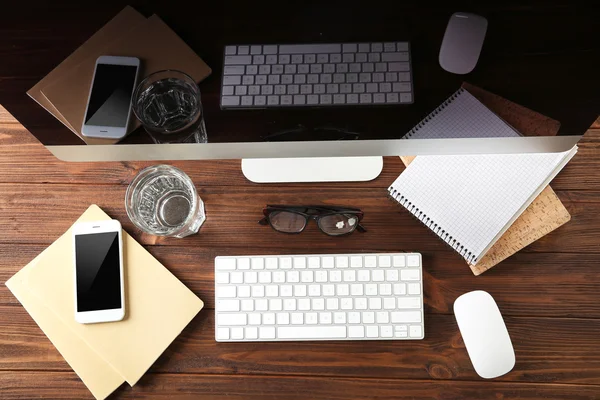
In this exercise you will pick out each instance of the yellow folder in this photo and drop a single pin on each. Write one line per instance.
(158, 307)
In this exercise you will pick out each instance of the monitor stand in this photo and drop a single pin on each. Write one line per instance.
(312, 169)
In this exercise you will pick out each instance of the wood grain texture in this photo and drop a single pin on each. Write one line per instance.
(570, 288)
(66, 386)
(574, 356)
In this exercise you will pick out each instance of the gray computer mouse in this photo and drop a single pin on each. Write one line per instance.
(462, 42)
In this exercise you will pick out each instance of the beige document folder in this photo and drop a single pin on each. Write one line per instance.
(158, 307)
(114, 30)
(156, 45)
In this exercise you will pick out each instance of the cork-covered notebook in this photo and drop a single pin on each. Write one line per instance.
(546, 212)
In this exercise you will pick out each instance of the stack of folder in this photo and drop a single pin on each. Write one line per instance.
(64, 91)
(158, 308)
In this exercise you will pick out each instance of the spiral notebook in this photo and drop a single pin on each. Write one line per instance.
(469, 201)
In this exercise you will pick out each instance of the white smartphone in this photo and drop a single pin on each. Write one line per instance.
(108, 110)
(98, 265)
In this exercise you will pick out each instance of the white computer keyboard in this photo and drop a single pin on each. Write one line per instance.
(319, 297)
(337, 74)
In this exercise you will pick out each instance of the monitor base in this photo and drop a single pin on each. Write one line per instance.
(312, 169)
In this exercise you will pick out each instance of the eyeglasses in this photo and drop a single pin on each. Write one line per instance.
(301, 132)
(331, 220)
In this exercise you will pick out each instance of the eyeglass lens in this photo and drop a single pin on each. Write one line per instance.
(288, 222)
(338, 224)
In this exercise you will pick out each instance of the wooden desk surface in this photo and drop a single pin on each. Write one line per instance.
(549, 293)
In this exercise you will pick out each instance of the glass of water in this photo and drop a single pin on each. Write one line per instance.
(168, 105)
(162, 200)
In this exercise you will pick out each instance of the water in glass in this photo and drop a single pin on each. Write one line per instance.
(163, 201)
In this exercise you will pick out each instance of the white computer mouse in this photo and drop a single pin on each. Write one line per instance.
(462, 42)
(484, 333)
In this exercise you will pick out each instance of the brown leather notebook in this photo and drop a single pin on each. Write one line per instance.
(114, 30)
(546, 212)
(152, 41)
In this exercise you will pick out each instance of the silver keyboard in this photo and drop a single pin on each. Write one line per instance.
(319, 297)
(309, 75)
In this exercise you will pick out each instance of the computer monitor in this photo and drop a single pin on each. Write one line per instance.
(535, 57)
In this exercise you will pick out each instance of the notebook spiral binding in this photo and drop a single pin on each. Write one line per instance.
(435, 228)
(433, 114)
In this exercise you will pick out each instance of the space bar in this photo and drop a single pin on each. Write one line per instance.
(311, 332)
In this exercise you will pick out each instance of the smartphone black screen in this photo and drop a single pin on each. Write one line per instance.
(111, 95)
(98, 271)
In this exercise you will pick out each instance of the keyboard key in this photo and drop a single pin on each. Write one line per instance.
(274, 79)
(228, 305)
(226, 291)
(348, 58)
(371, 289)
(389, 47)
(409, 275)
(299, 99)
(264, 277)
(382, 317)
(233, 70)
(261, 305)
(251, 332)
(285, 263)
(372, 331)
(289, 304)
(318, 304)
(314, 290)
(372, 87)
(368, 67)
(297, 59)
(360, 303)
(243, 291)
(331, 304)
(299, 290)
(400, 56)
(385, 261)
(266, 332)
(279, 276)
(392, 98)
(310, 58)
(329, 68)
(293, 276)
(325, 318)
(222, 277)
(345, 88)
(272, 100)
(354, 317)
(311, 332)
(374, 57)
(250, 277)
(232, 80)
(377, 275)
(415, 331)
(346, 303)
(230, 49)
(377, 47)
(356, 289)
(271, 59)
(240, 90)
(303, 304)
(268, 318)
(311, 318)
(406, 316)
(385, 289)
(401, 87)
(356, 331)
(328, 290)
(389, 303)
(413, 260)
(237, 333)
(399, 288)
(398, 66)
(314, 262)
(414, 288)
(349, 276)
(307, 276)
(327, 262)
(228, 90)
(247, 305)
(232, 319)
(339, 317)
(364, 77)
(283, 318)
(402, 46)
(310, 48)
(364, 47)
(391, 275)
(297, 318)
(258, 291)
(386, 331)
(286, 291)
(272, 291)
(363, 275)
(409, 302)
(238, 60)
(223, 333)
(375, 303)
(399, 261)
(358, 88)
(356, 261)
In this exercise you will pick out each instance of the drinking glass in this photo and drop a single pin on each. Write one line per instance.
(168, 105)
(162, 200)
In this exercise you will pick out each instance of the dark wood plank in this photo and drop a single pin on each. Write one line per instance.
(552, 350)
(66, 386)
(567, 283)
(29, 207)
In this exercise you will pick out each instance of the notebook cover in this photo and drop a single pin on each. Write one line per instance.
(546, 212)
(99, 377)
(113, 30)
(152, 41)
(158, 307)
